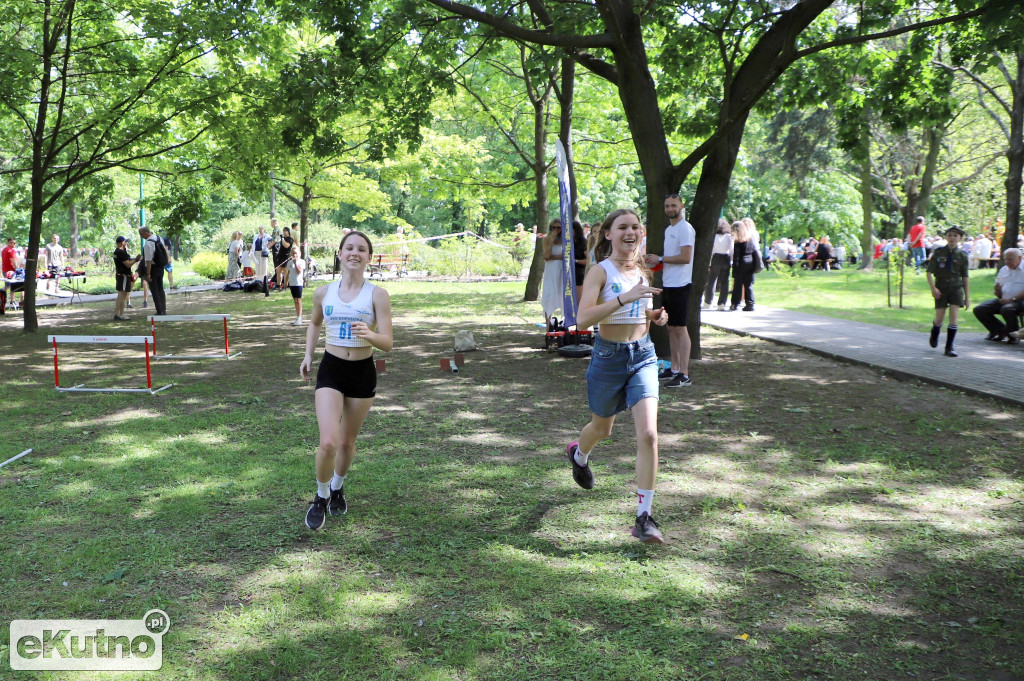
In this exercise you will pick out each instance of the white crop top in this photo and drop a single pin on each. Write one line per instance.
(618, 283)
(339, 315)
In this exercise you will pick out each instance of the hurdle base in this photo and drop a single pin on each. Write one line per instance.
(173, 356)
(80, 389)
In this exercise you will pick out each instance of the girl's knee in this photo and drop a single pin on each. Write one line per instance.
(647, 439)
(329, 444)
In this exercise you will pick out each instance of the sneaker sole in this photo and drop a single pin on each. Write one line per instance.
(656, 539)
(318, 526)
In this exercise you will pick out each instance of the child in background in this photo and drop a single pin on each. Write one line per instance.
(948, 273)
(248, 260)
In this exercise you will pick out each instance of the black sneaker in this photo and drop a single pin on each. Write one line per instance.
(316, 516)
(337, 505)
(646, 530)
(933, 337)
(679, 381)
(583, 476)
(950, 353)
(997, 337)
(666, 374)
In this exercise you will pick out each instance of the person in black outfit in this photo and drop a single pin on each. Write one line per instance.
(122, 276)
(155, 257)
(579, 252)
(282, 255)
(824, 255)
(744, 261)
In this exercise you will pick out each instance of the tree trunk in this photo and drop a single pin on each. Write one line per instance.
(639, 98)
(273, 197)
(540, 175)
(933, 136)
(712, 190)
(867, 207)
(1015, 156)
(565, 132)
(307, 198)
(73, 221)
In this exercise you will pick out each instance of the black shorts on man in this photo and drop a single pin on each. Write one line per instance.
(676, 301)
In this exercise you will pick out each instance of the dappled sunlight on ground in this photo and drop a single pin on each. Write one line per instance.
(839, 519)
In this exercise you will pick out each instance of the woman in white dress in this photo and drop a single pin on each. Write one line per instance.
(234, 257)
(551, 290)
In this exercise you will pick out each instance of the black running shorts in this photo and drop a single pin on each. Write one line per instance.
(350, 378)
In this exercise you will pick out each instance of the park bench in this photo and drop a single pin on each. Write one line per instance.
(388, 262)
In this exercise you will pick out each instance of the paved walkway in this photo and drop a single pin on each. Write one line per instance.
(983, 368)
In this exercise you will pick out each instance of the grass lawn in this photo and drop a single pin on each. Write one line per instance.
(848, 525)
(862, 296)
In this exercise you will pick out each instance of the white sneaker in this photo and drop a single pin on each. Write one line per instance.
(704, 306)
(297, 322)
(721, 308)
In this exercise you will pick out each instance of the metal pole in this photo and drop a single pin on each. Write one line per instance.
(15, 458)
(142, 211)
(888, 278)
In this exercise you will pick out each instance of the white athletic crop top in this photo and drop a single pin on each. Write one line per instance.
(339, 315)
(618, 283)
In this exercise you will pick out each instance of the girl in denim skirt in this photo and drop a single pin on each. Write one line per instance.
(623, 371)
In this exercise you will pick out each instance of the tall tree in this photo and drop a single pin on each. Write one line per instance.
(96, 85)
(732, 52)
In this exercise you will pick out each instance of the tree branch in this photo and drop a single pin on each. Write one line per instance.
(513, 30)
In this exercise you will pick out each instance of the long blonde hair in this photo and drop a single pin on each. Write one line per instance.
(603, 249)
(742, 233)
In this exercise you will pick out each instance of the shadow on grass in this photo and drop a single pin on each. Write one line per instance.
(825, 519)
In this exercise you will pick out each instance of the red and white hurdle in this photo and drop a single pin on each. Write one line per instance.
(122, 340)
(153, 319)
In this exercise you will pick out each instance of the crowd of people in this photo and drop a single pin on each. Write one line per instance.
(818, 253)
(982, 250)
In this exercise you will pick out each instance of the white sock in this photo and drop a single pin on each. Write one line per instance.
(323, 489)
(338, 481)
(580, 457)
(644, 497)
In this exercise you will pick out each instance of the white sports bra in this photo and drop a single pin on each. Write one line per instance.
(618, 283)
(339, 315)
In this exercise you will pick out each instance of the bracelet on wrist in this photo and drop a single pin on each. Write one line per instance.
(619, 298)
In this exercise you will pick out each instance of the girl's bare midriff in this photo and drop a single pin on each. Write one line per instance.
(622, 333)
(349, 354)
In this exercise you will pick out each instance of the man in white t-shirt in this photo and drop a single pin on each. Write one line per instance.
(676, 281)
(54, 261)
(1009, 300)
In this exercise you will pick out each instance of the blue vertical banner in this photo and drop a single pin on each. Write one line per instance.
(568, 257)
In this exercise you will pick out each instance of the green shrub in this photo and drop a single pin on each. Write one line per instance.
(210, 265)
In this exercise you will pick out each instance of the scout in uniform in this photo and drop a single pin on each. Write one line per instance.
(947, 277)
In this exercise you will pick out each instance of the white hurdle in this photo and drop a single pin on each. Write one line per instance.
(16, 457)
(153, 319)
(124, 340)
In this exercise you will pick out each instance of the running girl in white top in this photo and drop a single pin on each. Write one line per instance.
(358, 319)
(623, 371)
